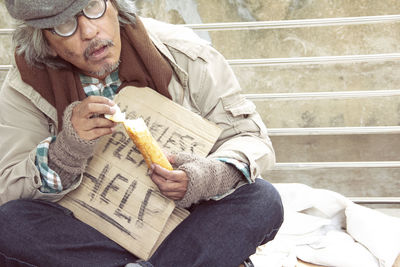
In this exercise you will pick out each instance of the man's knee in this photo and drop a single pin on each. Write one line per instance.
(270, 195)
(267, 206)
(13, 204)
(11, 208)
(24, 215)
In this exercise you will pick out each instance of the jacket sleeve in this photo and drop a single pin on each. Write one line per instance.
(219, 99)
(22, 127)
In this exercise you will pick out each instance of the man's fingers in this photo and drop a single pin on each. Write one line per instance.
(171, 187)
(99, 122)
(166, 185)
(181, 158)
(175, 175)
(98, 99)
(174, 189)
(96, 109)
(96, 133)
(94, 105)
(86, 120)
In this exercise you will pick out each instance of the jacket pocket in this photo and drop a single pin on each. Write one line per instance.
(238, 105)
(243, 117)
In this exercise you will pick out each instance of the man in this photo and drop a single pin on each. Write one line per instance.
(71, 58)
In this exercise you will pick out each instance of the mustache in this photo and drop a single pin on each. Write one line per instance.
(95, 44)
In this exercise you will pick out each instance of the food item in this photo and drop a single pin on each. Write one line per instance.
(118, 116)
(144, 141)
(147, 145)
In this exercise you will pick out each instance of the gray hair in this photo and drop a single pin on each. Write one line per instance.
(31, 42)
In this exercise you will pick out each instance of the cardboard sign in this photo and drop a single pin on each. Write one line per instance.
(116, 196)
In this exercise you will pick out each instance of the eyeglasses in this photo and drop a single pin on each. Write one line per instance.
(94, 10)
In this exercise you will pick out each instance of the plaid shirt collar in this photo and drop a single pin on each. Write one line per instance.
(93, 86)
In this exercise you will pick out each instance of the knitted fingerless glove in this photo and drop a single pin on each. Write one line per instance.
(207, 178)
(68, 155)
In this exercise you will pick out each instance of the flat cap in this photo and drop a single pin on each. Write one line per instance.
(44, 13)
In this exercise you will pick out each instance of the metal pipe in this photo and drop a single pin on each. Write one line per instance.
(284, 166)
(375, 200)
(6, 31)
(5, 67)
(333, 131)
(255, 25)
(313, 60)
(323, 95)
(279, 24)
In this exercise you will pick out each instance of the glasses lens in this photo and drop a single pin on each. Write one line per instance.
(67, 28)
(95, 9)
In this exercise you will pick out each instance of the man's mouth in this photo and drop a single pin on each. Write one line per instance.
(97, 52)
(97, 49)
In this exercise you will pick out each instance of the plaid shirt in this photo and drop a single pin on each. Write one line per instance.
(51, 182)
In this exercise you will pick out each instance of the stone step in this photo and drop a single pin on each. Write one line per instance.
(371, 76)
(5, 20)
(350, 182)
(308, 42)
(327, 148)
(2, 77)
(364, 76)
(209, 11)
(319, 41)
(6, 49)
(376, 111)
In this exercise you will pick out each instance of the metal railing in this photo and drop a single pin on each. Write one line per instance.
(6, 31)
(5, 67)
(375, 200)
(302, 60)
(333, 131)
(313, 60)
(284, 166)
(281, 24)
(324, 95)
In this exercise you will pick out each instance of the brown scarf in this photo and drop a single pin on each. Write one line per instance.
(141, 66)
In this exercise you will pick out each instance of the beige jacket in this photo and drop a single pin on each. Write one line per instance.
(202, 82)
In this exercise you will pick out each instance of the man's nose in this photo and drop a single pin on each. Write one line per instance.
(88, 30)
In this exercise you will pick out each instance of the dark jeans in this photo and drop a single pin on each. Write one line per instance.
(217, 233)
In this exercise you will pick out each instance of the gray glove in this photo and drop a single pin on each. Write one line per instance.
(207, 178)
(68, 155)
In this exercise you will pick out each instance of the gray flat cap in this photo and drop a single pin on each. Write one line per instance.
(44, 13)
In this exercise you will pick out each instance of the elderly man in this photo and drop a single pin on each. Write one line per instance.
(71, 58)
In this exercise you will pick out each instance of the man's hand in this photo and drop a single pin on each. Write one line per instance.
(87, 118)
(172, 184)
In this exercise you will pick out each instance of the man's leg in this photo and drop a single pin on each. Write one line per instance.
(225, 232)
(39, 233)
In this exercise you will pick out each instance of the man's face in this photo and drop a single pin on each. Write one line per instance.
(95, 47)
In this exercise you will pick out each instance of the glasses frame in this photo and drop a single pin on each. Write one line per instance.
(80, 13)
